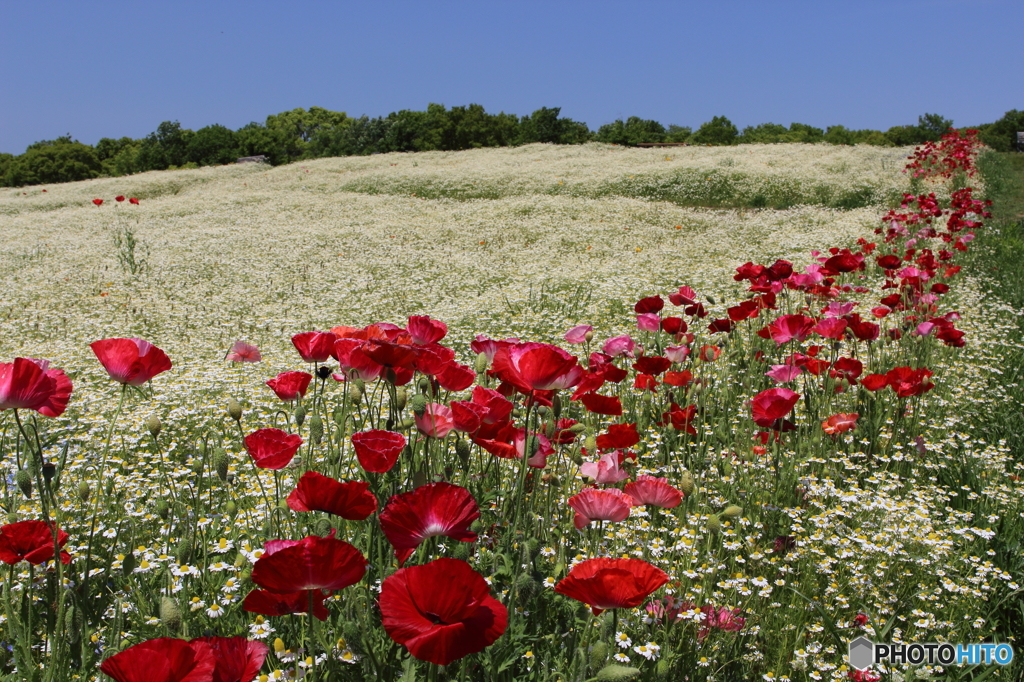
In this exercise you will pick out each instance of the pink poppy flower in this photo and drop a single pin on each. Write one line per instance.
(130, 361)
(654, 491)
(436, 421)
(433, 509)
(243, 352)
(592, 504)
(606, 470)
(578, 334)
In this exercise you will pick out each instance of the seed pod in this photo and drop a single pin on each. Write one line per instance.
(663, 667)
(714, 523)
(549, 429)
(300, 415)
(462, 450)
(84, 492)
(526, 585)
(49, 471)
(154, 425)
(732, 511)
(316, 429)
(418, 403)
(577, 428)
(401, 397)
(220, 463)
(128, 564)
(419, 478)
(556, 406)
(543, 410)
(24, 480)
(235, 410)
(462, 550)
(407, 424)
(74, 623)
(184, 551)
(686, 483)
(338, 416)
(481, 363)
(727, 468)
(170, 614)
(423, 384)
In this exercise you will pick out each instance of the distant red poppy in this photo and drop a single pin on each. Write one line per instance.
(30, 384)
(433, 509)
(651, 304)
(425, 331)
(907, 382)
(652, 364)
(243, 352)
(130, 361)
(119, 198)
(98, 202)
(237, 658)
(592, 504)
(162, 660)
(441, 611)
(314, 346)
(611, 583)
(312, 563)
(272, 448)
(290, 385)
(269, 603)
(316, 492)
(377, 450)
(133, 200)
(771, 405)
(647, 490)
(30, 541)
(537, 367)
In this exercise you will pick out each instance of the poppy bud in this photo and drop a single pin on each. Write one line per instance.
(526, 585)
(184, 551)
(589, 336)
(407, 424)
(617, 673)
(220, 463)
(590, 444)
(423, 384)
(577, 428)
(727, 468)
(663, 667)
(462, 550)
(163, 510)
(418, 403)
(598, 654)
(711, 299)
(462, 450)
(234, 410)
(12, 517)
(283, 506)
(543, 410)
(556, 406)
(419, 478)
(154, 425)
(686, 483)
(84, 492)
(49, 469)
(300, 415)
(323, 526)
(714, 523)
(481, 363)
(74, 624)
(339, 416)
(231, 509)
(109, 488)
(549, 429)
(732, 511)
(197, 466)
(24, 480)
(316, 429)
(355, 394)
(401, 397)
(323, 371)
(128, 564)
(170, 614)
(245, 575)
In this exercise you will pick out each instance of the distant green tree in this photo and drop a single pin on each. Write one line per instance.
(255, 139)
(108, 148)
(544, 125)
(800, 132)
(212, 145)
(5, 163)
(300, 126)
(1002, 134)
(765, 133)
(719, 130)
(906, 136)
(933, 126)
(839, 134)
(632, 132)
(51, 163)
(678, 133)
(165, 147)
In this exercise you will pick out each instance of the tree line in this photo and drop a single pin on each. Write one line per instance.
(315, 133)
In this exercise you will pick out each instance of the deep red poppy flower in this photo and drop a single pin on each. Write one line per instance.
(272, 448)
(312, 563)
(237, 659)
(592, 504)
(377, 450)
(680, 379)
(353, 362)
(290, 385)
(847, 368)
(130, 361)
(267, 603)
(653, 364)
(441, 611)
(314, 346)
(456, 377)
(316, 492)
(863, 330)
(722, 326)
(133, 200)
(98, 202)
(611, 583)
(673, 325)
(874, 382)
(425, 331)
(602, 404)
(162, 660)
(30, 541)
(619, 436)
(651, 304)
(537, 367)
(680, 418)
(466, 416)
(119, 198)
(840, 423)
(433, 509)
(907, 382)
(787, 328)
(771, 405)
(651, 490)
(394, 355)
(30, 384)
(645, 382)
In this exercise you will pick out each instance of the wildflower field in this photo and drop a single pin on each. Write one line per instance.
(537, 413)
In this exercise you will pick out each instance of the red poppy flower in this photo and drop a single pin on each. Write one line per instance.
(537, 367)
(847, 368)
(312, 563)
(865, 331)
(433, 509)
(243, 352)
(394, 355)
(831, 328)
(316, 492)
(840, 423)
(31, 384)
(162, 660)
(267, 603)
(722, 326)
(654, 364)
(456, 377)
(466, 416)
(354, 362)
(651, 304)
(130, 361)
(788, 328)
(425, 331)
(611, 583)
(237, 659)
(680, 418)
(769, 406)
(290, 385)
(314, 346)
(619, 436)
(436, 421)
(98, 202)
(377, 450)
(592, 504)
(272, 448)
(907, 382)
(133, 200)
(602, 404)
(874, 382)
(30, 541)
(441, 611)
(680, 379)
(651, 490)
(119, 198)
(709, 353)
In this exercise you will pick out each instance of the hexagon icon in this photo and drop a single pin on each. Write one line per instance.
(862, 653)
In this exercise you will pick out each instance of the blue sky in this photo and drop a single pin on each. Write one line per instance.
(110, 69)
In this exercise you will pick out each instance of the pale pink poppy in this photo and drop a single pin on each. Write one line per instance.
(243, 352)
(648, 322)
(619, 345)
(436, 421)
(606, 470)
(784, 373)
(677, 353)
(578, 334)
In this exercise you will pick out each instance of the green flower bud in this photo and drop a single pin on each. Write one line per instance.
(154, 425)
(556, 406)
(170, 614)
(591, 445)
(617, 673)
(235, 410)
(184, 551)
(462, 450)
(300, 415)
(418, 403)
(316, 429)
(598, 654)
(481, 363)
(686, 483)
(401, 397)
(577, 428)
(128, 565)
(231, 509)
(323, 526)
(84, 492)
(220, 463)
(24, 480)
(407, 424)
(163, 510)
(732, 511)
(355, 394)
(714, 523)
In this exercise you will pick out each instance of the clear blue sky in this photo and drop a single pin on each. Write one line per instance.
(109, 69)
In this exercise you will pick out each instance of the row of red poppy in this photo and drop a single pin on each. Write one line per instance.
(119, 198)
